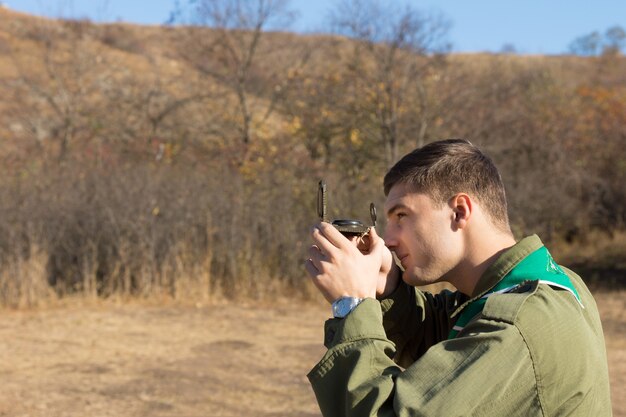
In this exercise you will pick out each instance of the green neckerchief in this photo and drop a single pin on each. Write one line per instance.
(538, 266)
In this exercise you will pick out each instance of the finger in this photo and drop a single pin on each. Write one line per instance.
(315, 251)
(376, 242)
(375, 239)
(311, 269)
(322, 242)
(316, 257)
(317, 280)
(334, 236)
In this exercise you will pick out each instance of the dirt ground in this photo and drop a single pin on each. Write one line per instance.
(218, 360)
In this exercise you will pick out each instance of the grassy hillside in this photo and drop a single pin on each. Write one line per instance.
(142, 160)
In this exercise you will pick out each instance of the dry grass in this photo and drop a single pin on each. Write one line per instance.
(598, 257)
(612, 306)
(229, 359)
(595, 247)
(136, 360)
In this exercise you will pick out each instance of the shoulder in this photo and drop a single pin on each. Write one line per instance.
(558, 331)
(534, 300)
(507, 306)
(549, 318)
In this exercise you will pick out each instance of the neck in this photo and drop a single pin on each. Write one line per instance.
(481, 251)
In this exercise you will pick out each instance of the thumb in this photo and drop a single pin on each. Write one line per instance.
(376, 242)
(377, 245)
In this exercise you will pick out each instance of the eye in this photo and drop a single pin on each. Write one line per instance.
(400, 215)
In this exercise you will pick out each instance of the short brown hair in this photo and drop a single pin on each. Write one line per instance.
(444, 168)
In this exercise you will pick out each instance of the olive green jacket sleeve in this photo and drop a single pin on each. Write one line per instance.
(416, 320)
(357, 376)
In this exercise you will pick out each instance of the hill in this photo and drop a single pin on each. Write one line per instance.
(145, 159)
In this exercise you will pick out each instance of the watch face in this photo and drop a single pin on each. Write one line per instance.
(344, 306)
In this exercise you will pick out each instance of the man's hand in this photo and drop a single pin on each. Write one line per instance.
(339, 267)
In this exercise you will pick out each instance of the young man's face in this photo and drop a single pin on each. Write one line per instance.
(421, 234)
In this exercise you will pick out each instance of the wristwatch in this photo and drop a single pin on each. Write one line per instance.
(344, 305)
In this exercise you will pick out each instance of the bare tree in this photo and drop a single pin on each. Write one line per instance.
(615, 40)
(232, 54)
(60, 85)
(611, 43)
(395, 49)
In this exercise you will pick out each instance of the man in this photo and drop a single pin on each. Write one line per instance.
(520, 337)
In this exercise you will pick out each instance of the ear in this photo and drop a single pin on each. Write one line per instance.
(462, 206)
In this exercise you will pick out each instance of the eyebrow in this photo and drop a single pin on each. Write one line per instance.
(395, 208)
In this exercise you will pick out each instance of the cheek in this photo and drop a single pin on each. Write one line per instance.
(430, 251)
(423, 249)
(435, 244)
(445, 247)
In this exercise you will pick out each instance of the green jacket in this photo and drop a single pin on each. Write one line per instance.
(533, 351)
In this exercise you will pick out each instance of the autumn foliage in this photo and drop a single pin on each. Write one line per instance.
(183, 160)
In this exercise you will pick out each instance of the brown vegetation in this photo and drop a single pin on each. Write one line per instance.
(183, 161)
(231, 359)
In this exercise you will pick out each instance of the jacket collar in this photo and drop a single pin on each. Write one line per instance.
(502, 266)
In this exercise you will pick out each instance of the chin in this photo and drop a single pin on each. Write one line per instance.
(413, 279)
(417, 278)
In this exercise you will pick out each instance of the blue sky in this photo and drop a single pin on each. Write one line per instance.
(531, 26)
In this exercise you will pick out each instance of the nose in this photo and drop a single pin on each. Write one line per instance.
(390, 238)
